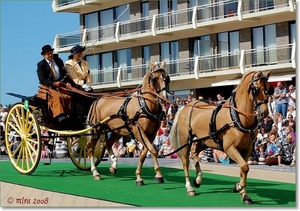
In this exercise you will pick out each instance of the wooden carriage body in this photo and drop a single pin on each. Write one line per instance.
(26, 120)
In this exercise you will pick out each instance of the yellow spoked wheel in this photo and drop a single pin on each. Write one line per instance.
(77, 147)
(23, 139)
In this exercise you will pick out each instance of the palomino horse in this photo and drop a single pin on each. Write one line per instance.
(230, 127)
(137, 116)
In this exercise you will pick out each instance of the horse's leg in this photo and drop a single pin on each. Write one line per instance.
(148, 146)
(139, 181)
(194, 154)
(184, 155)
(240, 187)
(158, 176)
(114, 160)
(138, 172)
(91, 147)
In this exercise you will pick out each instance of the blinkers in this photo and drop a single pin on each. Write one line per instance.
(166, 78)
(255, 90)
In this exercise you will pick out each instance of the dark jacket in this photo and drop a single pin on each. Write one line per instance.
(45, 74)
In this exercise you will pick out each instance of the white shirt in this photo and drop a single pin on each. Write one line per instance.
(272, 108)
(55, 68)
(291, 102)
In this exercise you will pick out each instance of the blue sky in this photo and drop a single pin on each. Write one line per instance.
(25, 27)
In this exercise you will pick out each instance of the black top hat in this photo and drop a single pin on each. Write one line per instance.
(46, 48)
(77, 49)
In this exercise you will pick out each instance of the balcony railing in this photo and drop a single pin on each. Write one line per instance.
(241, 60)
(189, 17)
(61, 3)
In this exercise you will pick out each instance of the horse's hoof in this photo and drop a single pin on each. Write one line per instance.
(113, 170)
(159, 180)
(247, 200)
(97, 177)
(191, 193)
(196, 185)
(234, 189)
(140, 183)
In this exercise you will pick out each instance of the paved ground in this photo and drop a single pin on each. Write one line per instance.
(271, 173)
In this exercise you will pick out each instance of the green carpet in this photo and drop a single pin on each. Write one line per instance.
(216, 190)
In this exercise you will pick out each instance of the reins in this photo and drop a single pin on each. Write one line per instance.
(225, 105)
(98, 94)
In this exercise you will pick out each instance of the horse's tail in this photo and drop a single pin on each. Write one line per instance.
(91, 118)
(92, 114)
(174, 133)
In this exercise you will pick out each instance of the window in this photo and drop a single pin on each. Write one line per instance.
(292, 32)
(261, 5)
(226, 8)
(123, 14)
(264, 45)
(230, 8)
(91, 22)
(101, 24)
(202, 46)
(124, 60)
(106, 67)
(146, 57)
(169, 51)
(292, 35)
(203, 12)
(146, 23)
(168, 20)
(94, 62)
(228, 48)
(106, 21)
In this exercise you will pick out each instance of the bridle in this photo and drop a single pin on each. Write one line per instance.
(255, 92)
(166, 79)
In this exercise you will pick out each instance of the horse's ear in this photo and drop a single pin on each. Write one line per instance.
(268, 73)
(259, 74)
(150, 63)
(163, 63)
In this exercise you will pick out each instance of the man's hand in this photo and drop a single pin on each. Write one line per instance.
(59, 84)
(68, 85)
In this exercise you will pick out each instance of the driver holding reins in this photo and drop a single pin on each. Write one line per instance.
(52, 76)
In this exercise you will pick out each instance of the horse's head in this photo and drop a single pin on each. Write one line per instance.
(259, 90)
(158, 78)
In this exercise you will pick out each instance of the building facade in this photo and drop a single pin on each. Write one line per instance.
(208, 44)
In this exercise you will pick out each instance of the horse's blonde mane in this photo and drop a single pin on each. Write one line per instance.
(242, 80)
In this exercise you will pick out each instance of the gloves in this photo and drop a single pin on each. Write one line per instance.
(86, 88)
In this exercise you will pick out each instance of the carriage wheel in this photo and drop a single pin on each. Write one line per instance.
(23, 138)
(77, 148)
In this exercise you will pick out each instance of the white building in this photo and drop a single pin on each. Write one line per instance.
(208, 44)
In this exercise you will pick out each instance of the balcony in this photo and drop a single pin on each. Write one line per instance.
(76, 6)
(189, 22)
(280, 59)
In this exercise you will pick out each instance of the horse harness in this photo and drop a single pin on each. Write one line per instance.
(213, 132)
(122, 113)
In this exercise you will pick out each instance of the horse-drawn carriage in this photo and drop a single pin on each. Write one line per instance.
(124, 112)
(230, 127)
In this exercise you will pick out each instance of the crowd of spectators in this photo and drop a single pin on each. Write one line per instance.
(275, 143)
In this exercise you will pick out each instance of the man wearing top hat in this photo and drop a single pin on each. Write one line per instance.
(52, 76)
